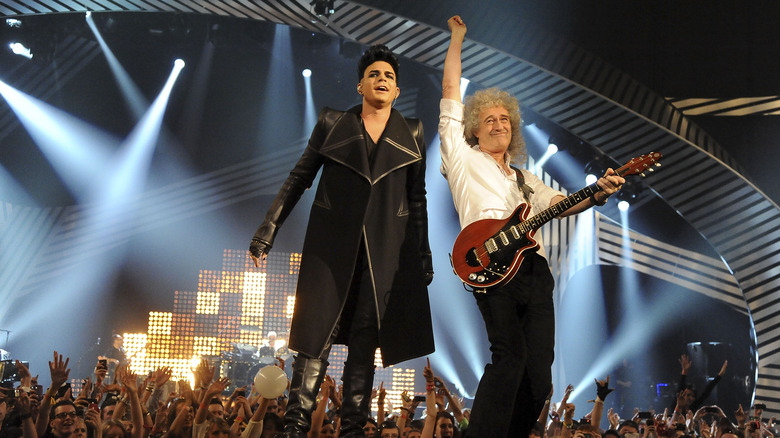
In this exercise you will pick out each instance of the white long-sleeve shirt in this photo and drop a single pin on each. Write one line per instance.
(480, 187)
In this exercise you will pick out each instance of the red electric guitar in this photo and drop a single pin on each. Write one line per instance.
(488, 252)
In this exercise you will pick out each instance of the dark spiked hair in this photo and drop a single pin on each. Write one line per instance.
(377, 52)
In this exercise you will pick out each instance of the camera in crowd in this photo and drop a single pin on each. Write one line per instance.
(9, 371)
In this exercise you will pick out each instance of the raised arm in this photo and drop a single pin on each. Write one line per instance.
(450, 83)
(430, 403)
(318, 416)
(602, 391)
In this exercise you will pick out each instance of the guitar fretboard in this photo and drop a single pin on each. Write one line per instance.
(553, 211)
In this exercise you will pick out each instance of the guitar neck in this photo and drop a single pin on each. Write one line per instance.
(570, 201)
(557, 209)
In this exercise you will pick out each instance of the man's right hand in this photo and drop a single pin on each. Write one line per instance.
(258, 251)
(457, 26)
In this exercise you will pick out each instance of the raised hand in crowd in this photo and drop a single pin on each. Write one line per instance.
(93, 423)
(214, 389)
(23, 374)
(380, 402)
(685, 364)
(129, 382)
(566, 393)
(602, 391)
(741, 416)
(203, 375)
(453, 403)
(22, 406)
(430, 402)
(568, 420)
(613, 418)
(59, 372)
(318, 417)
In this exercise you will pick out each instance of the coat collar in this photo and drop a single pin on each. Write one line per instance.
(346, 144)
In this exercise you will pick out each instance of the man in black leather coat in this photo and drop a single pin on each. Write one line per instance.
(366, 259)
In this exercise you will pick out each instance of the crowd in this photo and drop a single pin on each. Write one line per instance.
(129, 406)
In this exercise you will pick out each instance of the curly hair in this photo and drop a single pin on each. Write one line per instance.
(489, 98)
(377, 52)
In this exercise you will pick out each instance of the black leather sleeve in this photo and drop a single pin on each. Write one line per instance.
(418, 205)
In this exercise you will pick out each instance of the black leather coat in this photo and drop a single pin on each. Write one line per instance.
(379, 203)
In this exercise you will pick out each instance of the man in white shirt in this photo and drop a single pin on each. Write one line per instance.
(478, 142)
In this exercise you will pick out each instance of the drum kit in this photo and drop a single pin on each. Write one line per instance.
(242, 363)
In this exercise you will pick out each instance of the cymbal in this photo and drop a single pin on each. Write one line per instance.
(250, 328)
(245, 347)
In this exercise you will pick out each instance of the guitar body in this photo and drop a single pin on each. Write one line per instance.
(480, 267)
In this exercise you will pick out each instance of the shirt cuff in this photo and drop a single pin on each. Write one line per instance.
(452, 109)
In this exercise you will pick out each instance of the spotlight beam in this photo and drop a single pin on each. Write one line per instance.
(134, 98)
(77, 151)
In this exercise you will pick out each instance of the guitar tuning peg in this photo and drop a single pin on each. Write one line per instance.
(657, 164)
(642, 174)
(651, 170)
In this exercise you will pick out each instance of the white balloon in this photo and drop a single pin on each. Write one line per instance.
(270, 381)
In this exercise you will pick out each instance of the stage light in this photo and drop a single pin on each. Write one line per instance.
(88, 14)
(552, 149)
(552, 143)
(21, 50)
(323, 7)
(179, 64)
(13, 22)
(630, 192)
(306, 73)
(591, 179)
(623, 205)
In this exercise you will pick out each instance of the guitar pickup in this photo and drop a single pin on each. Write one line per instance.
(504, 239)
(491, 246)
(515, 233)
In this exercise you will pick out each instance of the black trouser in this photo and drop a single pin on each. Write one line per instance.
(520, 322)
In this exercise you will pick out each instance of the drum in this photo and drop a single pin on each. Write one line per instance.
(238, 372)
(265, 355)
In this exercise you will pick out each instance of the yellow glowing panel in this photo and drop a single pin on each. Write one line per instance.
(209, 281)
(253, 299)
(208, 303)
(254, 338)
(378, 358)
(254, 282)
(231, 281)
(206, 346)
(160, 323)
(290, 307)
(403, 380)
(135, 350)
(295, 263)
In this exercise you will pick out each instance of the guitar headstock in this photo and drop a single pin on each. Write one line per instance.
(640, 165)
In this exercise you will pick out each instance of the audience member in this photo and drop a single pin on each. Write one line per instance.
(136, 407)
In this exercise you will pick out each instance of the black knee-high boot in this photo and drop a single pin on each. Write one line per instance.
(358, 382)
(307, 376)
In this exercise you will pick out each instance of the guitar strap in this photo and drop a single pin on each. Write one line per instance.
(525, 188)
